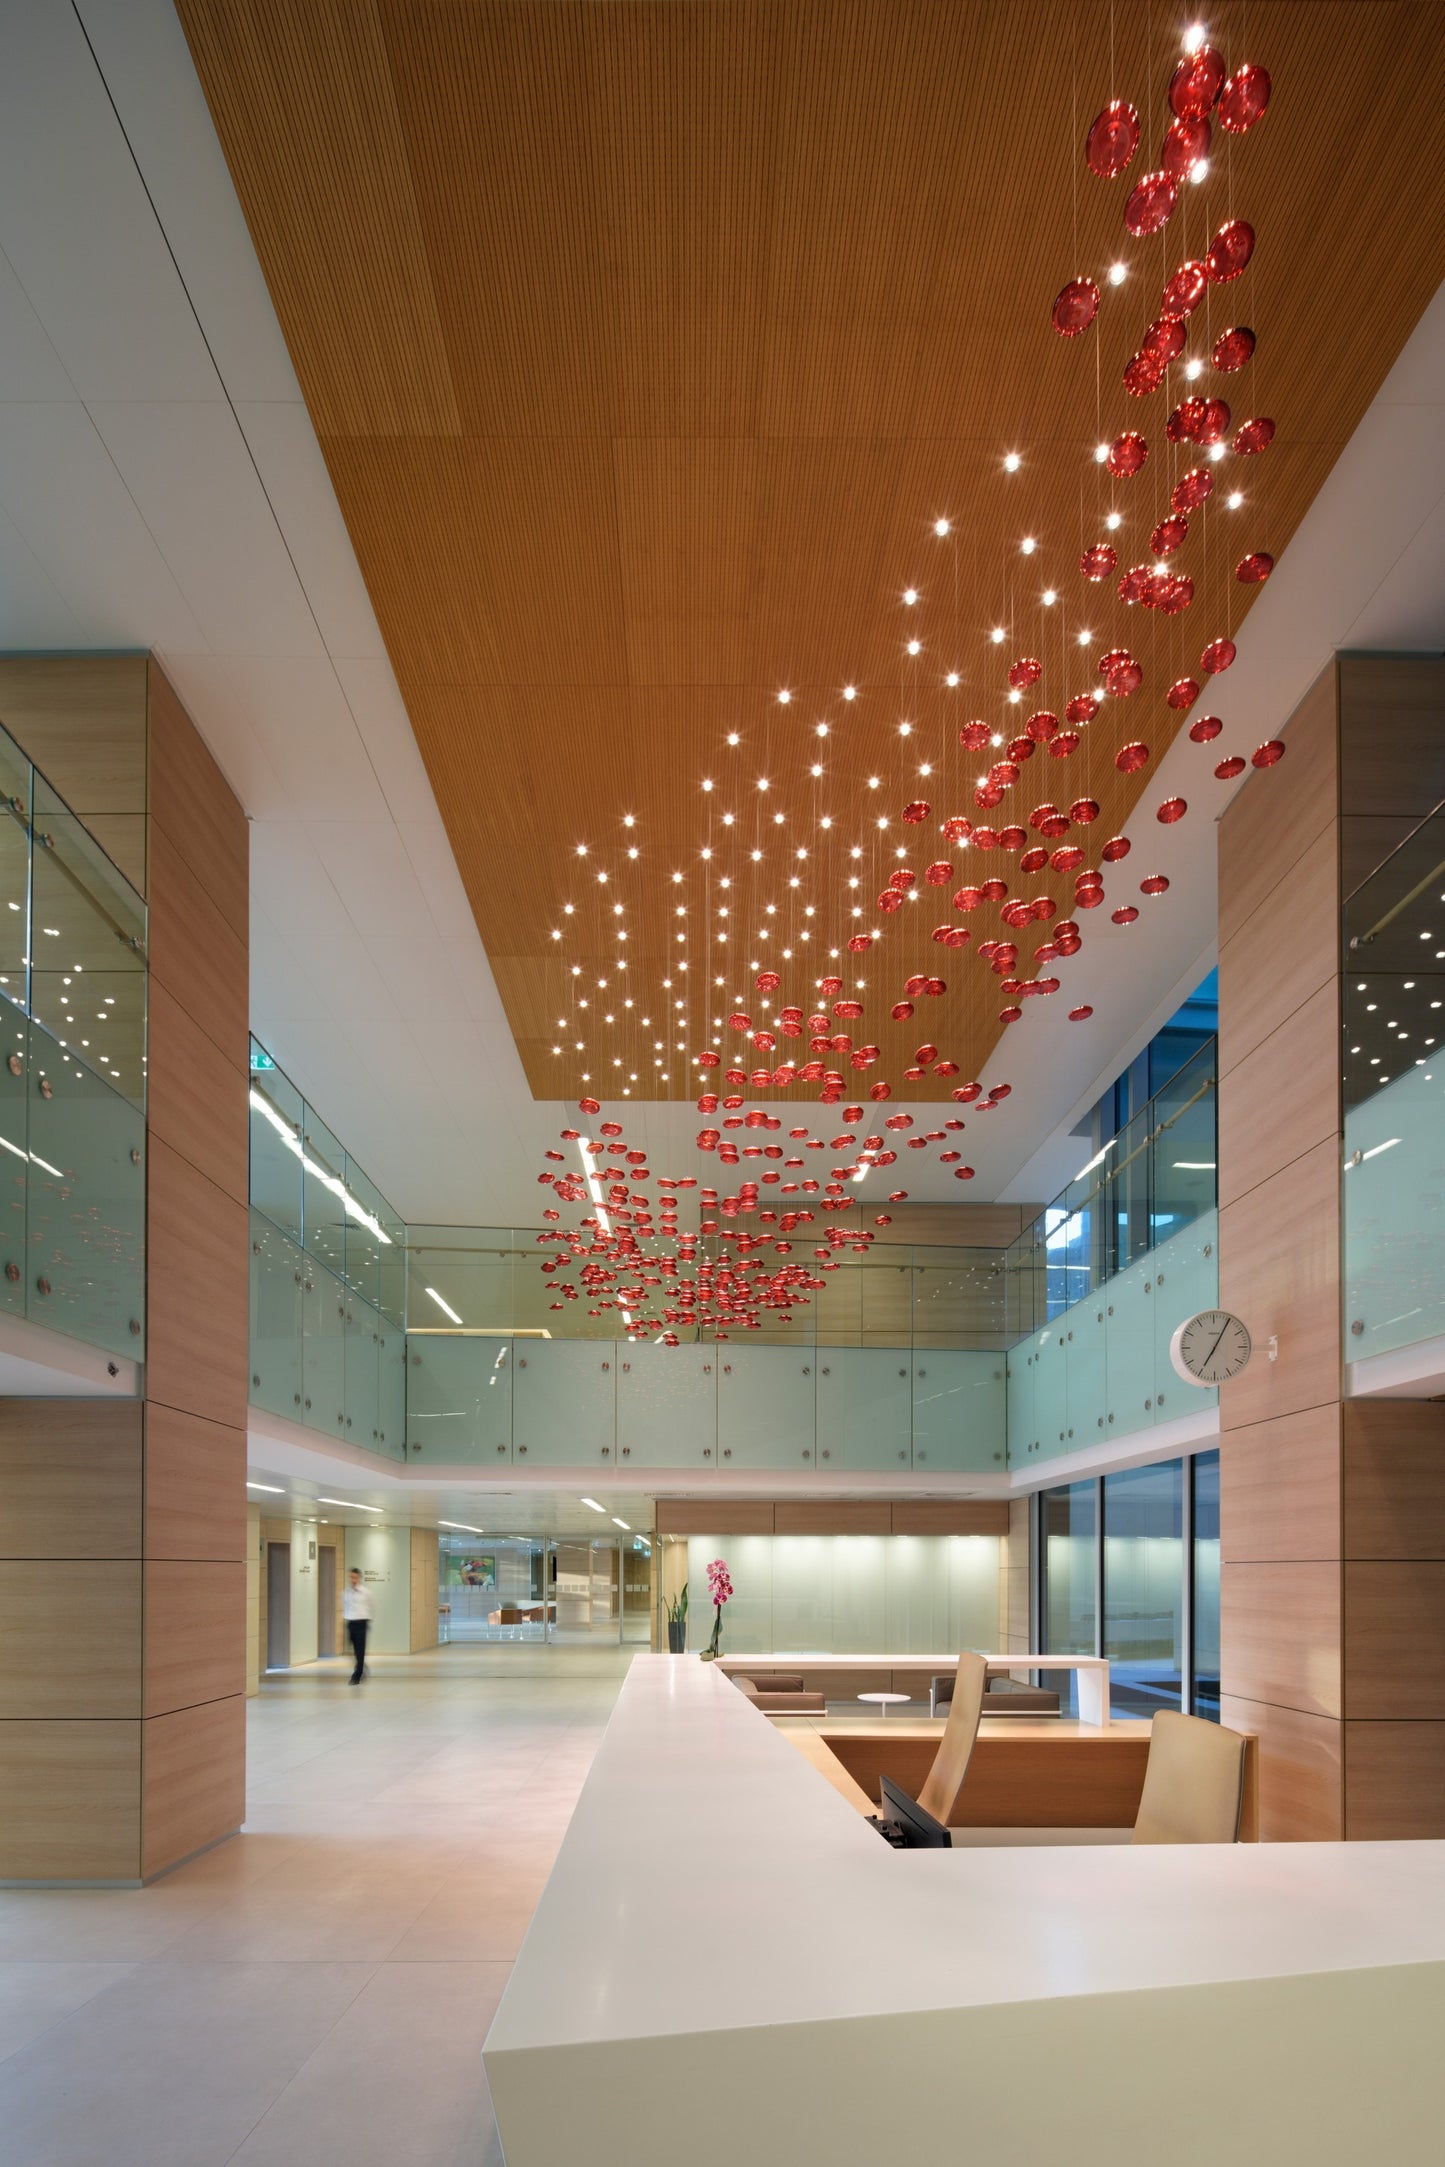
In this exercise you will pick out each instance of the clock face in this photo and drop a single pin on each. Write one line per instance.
(1210, 1348)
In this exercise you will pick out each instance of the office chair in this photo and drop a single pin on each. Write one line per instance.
(944, 1780)
(1193, 1783)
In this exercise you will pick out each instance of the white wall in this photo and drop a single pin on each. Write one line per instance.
(382, 1555)
(304, 1581)
(853, 1594)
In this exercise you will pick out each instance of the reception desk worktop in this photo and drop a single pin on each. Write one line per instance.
(727, 1962)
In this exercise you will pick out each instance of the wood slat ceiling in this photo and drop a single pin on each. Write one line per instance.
(646, 342)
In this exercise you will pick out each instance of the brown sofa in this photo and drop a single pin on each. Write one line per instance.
(1003, 1697)
(780, 1694)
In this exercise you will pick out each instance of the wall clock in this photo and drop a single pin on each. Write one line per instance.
(1210, 1348)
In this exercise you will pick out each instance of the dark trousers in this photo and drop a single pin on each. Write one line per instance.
(356, 1629)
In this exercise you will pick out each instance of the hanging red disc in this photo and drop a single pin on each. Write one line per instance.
(1212, 422)
(1168, 536)
(1135, 583)
(939, 874)
(1126, 916)
(1080, 1015)
(1041, 727)
(971, 736)
(1228, 769)
(1182, 693)
(1164, 338)
(1127, 454)
(1230, 250)
(1244, 97)
(1207, 727)
(1143, 374)
(1113, 139)
(1233, 348)
(1171, 810)
(1178, 593)
(1061, 746)
(1191, 489)
(1217, 656)
(1099, 561)
(1117, 847)
(1254, 436)
(1084, 811)
(1268, 755)
(1025, 672)
(1185, 143)
(1186, 289)
(1196, 83)
(1075, 307)
(917, 811)
(1154, 884)
(1151, 204)
(1130, 758)
(1082, 708)
(1254, 569)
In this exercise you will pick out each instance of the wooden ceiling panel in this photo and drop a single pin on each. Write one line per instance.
(647, 341)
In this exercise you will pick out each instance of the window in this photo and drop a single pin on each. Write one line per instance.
(1068, 1549)
(1205, 1468)
(1144, 1587)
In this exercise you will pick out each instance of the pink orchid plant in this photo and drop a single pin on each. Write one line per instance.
(720, 1588)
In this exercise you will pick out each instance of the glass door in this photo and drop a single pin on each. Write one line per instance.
(584, 1592)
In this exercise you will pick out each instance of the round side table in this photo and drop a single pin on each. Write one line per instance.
(885, 1701)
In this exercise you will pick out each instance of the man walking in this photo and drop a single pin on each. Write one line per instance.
(356, 1609)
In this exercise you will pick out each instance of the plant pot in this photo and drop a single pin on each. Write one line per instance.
(677, 1636)
(708, 1655)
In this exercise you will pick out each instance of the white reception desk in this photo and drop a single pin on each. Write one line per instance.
(728, 1964)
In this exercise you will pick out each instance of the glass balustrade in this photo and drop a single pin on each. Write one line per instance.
(72, 1087)
(1394, 1073)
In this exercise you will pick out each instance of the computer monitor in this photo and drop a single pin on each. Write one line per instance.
(906, 1824)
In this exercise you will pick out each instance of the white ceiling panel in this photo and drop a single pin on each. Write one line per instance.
(144, 57)
(441, 884)
(293, 472)
(296, 714)
(33, 613)
(375, 701)
(60, 486)
(78, 227)
(373, 877)
(30, 368)
(180, 461)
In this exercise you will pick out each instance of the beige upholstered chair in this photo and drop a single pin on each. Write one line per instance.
(1193, 1783)
(944, 1780)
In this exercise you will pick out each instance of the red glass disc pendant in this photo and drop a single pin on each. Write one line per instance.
(768, 981)
(917, 811)
(1191, 489)
(1033, 861)
(1228, 769)
(1254, 569)
(971, 736)
(1178, 594)
(1217, 656)
(1005, 1015)
(1026, 671)
(1143, 374)
(1061, 746)
(1041, 727)
(1113, 139)
(939, 874)
(1116, 848)
(1122, 675)
(589, 1106)
(1233, 348)
(1244, 98)
(1164, 338)
(1154, 884)
(1196, 83)
(1207, 727)
(1075, 307)
(1171, 810)
(1230, 250)
(858, 942)
(1151, 204)
(1135, 583)
(1098, 562)
(1082, 708)
(1084, 811)
(1168, 535)
(1127, 454)
(1126, 916)
(1186, 142)
(1182, 693)
(1268, 755)
(1254, 436)
(1080, 1015)
(1212, 422)
(1129, 759)
(1186, 289)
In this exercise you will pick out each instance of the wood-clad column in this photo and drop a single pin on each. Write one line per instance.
(123, 1523)
(1332, 1579)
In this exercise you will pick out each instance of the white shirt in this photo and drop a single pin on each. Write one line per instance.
(355, 1601)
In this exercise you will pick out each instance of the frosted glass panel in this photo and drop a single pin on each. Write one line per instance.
(850, 1594)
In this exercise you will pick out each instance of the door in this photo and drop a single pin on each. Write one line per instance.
(326, 1598)
(278, 1606)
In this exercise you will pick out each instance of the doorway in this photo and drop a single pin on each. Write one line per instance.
(326, 1599)
(278, 1606)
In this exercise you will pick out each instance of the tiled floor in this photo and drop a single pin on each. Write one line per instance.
(318, 1988)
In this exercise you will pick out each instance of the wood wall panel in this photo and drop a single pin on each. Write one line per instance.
(1395, 1645)
(1282, 1097)
(195, 1626)
(1392, 744)
(836, 1516)
(70, 1478)
(197, 1292)
(1301, 1770)
(197, 1095)
(1394, 1781)
(195, 1505)
(942, 1516)
(1279, 1635)
(1264, 980)
(424, 1563)
(1394, 1478)
(193, 1780)
(193, 805)
(714, 1516)
(1279, 1270)
(71, 1634)
(1279, 814)
(1280, 1489)
(70, 1801)
(1014, 1781)
(195, 954)
(82, 720)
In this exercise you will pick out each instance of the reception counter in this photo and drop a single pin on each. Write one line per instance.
(727, 1963)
